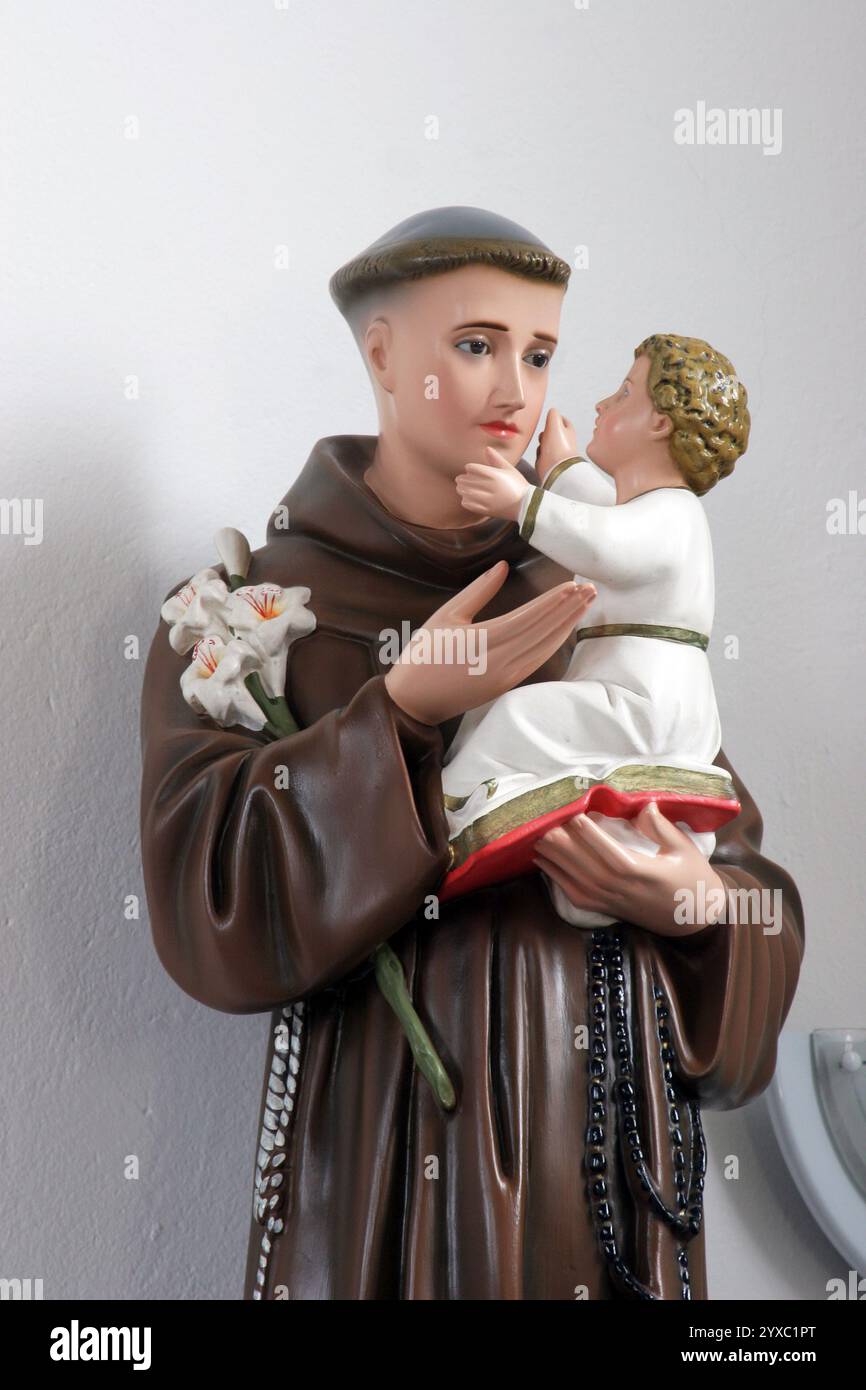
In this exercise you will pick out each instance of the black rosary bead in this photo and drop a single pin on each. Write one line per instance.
(606, 977)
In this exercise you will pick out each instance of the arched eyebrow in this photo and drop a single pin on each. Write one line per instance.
(503, 328)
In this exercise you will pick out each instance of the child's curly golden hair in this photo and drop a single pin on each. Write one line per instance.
(698, 389)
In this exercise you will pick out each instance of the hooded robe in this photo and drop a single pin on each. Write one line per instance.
(271, 899)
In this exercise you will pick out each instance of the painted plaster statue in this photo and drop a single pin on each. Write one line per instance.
(281, 855)
(635, 717)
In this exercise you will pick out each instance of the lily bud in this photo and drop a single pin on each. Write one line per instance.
(233, 548)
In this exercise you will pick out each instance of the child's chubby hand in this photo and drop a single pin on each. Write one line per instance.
(556, 442)
(492, 488)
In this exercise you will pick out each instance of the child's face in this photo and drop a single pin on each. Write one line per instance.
(625, 422)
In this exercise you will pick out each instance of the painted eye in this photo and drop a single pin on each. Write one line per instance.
(476, 346)
(538, 358)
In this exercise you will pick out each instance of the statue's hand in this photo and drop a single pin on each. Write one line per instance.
(595, 871)
(556, 442)
(494, 488)
(452, 664)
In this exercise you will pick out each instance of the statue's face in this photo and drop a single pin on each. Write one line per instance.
(464, 363)
(626, 421)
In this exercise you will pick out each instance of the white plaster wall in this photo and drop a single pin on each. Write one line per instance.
(263, 125)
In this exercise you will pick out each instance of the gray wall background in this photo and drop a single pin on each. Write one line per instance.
(262, 125)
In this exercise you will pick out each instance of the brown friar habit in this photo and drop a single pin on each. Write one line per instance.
(558, 1174)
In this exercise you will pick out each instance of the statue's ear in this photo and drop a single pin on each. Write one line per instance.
(661, 425)
(378, 349)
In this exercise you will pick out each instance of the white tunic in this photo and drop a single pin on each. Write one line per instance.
(623, 699)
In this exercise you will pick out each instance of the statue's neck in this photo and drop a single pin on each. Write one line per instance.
(411, 489)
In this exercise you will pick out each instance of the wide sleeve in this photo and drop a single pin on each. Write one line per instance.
(260, 893)
(581, 481)
(731, 985)
(616, 545)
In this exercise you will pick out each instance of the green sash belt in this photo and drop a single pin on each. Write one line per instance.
(667, 634)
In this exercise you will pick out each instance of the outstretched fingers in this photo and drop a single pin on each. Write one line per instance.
(543, 623)
(465, 604)
(520, 621)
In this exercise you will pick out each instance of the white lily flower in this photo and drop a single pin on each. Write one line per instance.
(233, 548)
(197, 609)
(214, 681)
(271, 618)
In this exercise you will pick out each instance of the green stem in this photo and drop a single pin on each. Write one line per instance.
(279, 717)
(389, 976)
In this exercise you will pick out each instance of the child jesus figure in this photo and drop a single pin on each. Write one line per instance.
(635, 718)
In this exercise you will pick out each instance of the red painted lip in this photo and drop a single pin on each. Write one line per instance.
(500, 426)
